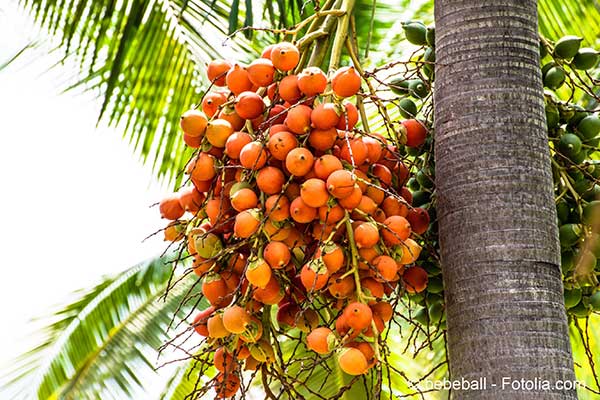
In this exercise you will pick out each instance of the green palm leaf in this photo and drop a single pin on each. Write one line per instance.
(102, 345)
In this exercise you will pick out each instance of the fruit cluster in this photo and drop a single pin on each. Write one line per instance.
(574, 137)
(295, 218)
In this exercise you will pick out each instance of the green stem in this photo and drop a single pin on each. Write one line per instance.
(341, 34)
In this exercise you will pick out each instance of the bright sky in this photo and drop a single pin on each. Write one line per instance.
(74, 200)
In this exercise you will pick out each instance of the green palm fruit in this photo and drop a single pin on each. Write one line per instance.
(567, 47)
(585, 58)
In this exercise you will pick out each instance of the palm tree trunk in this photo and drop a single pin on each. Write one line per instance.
(497, 220)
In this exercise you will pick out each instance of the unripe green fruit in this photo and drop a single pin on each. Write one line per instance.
(572, 297)
(595, 301)
(567, 47)
(415, 32)
(589, 127)
(580, 311)
(569, 234)
(418, 89)
(399, 86)
(554, 78)
(569, 144)
(585, 58)
(408, 108)
(430, 36)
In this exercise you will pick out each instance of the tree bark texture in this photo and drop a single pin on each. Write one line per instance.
(497, 219)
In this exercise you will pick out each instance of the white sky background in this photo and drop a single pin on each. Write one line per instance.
(73, 199)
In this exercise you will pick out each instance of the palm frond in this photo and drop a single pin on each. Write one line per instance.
(558, 18)
(145, 60)
(100, 345)
(18, 53)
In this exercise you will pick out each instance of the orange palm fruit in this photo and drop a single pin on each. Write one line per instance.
(302, 212)
(244, 199)
(237, 80)
(322, 139)
(277, 254)
(258, 272)
(270, 180)
(340, 183)
(285, 56)
(415, 279)
(314, 275)
(345, 82)
(235, 319)
(397, 230)
(314, 192)
(321, 340)
(349, 118)
(261, 72)
(325, 116)
(281, 143)
(211, 103)
(288, 89)
(386, 268)
(234, 144)
(215, 326)
(298, 119)
(299, 161)
(366, 235)
(358, 315)
(193, 123)
(277, 208)
(249, 105)
(170, 207)
(247, 223)
(217, 70)
(218, 131)
(352, 361)
(312, 81)
(253, 156)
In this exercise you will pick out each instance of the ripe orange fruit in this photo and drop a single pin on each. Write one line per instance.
(277, 254)
(312, 81)
(217, 70)
(193, 142)
(234, 144)
(325, 116)
(298, 119)
(349, 117)
(375, 193)
(285, 56)
(352, 361)
(214, 289)
(258, 273)
(190, 199)
(358, 315)
(223, 361)
(226, 385)
(354, 151)
(394, 206)
(288, 89)
(193, 123)
(249, 105)
(235, 319)
(277, 115)
(277, 208)
(270, 180)
(345, 82)
(331, 215)
(418, 219)
(386, 268)
(321, 340)
(326, 164)
(383, 174)
(415, 279)
(200, 321)
(247, 223)
(217, 208)
(266, 53)
(261, 72)
(416, 133)
(367, 350)
(384, 310)
(353, 200)
(174, 231)
(410, 251)
(244, 199)
(238, 80)
(215, 326)
(301, 212)
(366, 235)
(372, 288)
(341, 288)
(314, 276)
(281, 143)
(299, 161)
(218, 131)
(233, 118)
(322, 139)
(374, 149)
(340, 183)
(367, 205)
(271, 294)
(170, 207)
(212, 101)
(253, 156)
(397, 230)
(314, 192)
